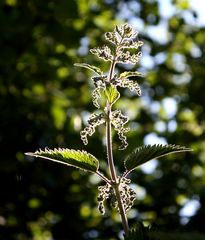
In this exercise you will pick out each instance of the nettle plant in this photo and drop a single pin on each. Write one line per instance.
(123, 41)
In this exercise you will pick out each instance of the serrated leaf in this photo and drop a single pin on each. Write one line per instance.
(146, 153)
(111, 94)
(90, 67)
(131, 74)
(70, 157)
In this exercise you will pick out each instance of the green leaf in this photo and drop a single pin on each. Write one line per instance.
(90, 67)
(70, 157)
(131, 74)
(146, 153)
(112, 94)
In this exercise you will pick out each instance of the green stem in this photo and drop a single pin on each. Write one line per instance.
(109, 130)
(121, 209)
(111, 72)
(109, 146)
(114, 179)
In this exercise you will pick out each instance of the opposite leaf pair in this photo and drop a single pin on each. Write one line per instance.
(87, 162)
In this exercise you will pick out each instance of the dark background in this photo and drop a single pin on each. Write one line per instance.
(45, 100)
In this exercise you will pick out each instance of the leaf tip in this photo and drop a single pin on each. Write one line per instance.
(189, 149)
(30, 154)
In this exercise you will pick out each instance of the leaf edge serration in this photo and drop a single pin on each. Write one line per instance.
(70, 157)
(149, 154)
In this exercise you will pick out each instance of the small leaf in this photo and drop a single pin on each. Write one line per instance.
(131, 74)
(146, 153)
(111, 94)
(70, 157)
(91, 67)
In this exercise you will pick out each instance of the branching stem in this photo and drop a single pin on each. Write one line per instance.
(103, 177)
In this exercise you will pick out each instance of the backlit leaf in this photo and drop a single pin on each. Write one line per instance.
(131, 74)
(111, 94)
(70, 157)
(146, 153)
(90, 67)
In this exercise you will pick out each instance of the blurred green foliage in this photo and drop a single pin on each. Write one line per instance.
(45, 100)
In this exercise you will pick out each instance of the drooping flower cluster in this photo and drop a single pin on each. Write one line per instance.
(119, 120)
(93, 121)
(128, 195)
(107, 192)
(100, 84)
(124, 82)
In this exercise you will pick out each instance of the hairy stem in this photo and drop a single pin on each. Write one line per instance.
(109, 131)
(114, 179)
(112, 67)
(109, 150)
(113, 174)
(121, 209)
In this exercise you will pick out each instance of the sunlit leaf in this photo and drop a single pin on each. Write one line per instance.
(111, 94)
(131, 74)
(146, 153)
(90, 67)
(70, 157)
